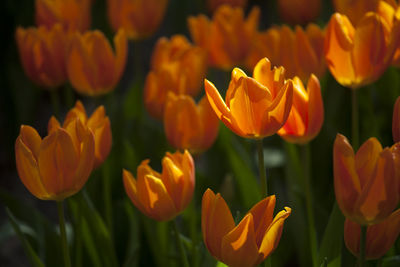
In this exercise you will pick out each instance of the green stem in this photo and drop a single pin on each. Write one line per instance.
(179, 245)
(306, 157)
(107, 196)
(267, 262)
(363, 239)
(55, 103)
(354, 119)
(67, 259)
(261, 166)
(69, 96)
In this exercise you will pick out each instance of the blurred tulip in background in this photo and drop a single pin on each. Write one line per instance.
(190, 126)
(299, 11)
(93, 68)
(43, 54)
(139, 18)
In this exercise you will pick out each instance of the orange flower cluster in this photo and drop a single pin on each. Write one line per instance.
(139, 18)
(231, 41)
(58, 166)
(57, 51)
(251, 241)
(358, 53)
(300, 52)
(162, 196)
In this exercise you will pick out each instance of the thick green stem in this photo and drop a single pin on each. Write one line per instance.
(107, 196)
(263, 176)
(306, 158)
(55, 102)
(354, 119)
(179, 245)
(363, 239)
(67, 259)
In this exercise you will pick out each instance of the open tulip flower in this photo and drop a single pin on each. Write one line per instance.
(190, 126)
(139, 18)
(366, 184)
(186, 59)
(248, 243)
(73, 15)
(227, 37)
(307, 113)
(162, 196)
(43, 54)
(357, 56)
(100, 125)
(93, 68)
(380, 237)
(254, 107)
(299, 11)
(57, 166)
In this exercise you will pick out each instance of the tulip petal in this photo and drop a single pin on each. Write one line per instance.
(273, 235)
(86, 160)
(58, 161)
(31, 140)
(263, 213)
(121, 51)
(154, 198)
(173, 180)
(315, 107)
(217, 221)
(346, 181)
(366, 159)
(130, 186)
(239, 246)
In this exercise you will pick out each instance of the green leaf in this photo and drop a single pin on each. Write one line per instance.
(96, 236)
(247, 181)
(221, 264)
(391, 261)
(332, 240)
(133, 245)
(32, 255)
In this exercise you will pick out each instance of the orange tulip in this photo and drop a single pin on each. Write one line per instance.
(157, 86)
(57, 166)
(162, 196)
(299, 11)
(380, 237)
(139, 18)
(43, 54)
(190, 61)
(356, 9)
(254, 107)
(358, 56)
(366, 184)
(307, 113)
(74, 15)
(300, 52)
(251, 241)
(100, 125)
(214, 4)
(396, 121)
(92, 67)
(227, 37)
(190, 126)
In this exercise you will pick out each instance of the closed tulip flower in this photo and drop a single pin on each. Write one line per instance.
(357, 56)
(73, 15)
(251, 241)
(366, 184)
(162, 196)
(190, 126)
(93, 68)
(139, 18)
(227, 37)
(380, 237)
(190, 61)
(299, 11)
(100, 125)
(57, 166)
(254, 107)
(307, 113)
(43, 54)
